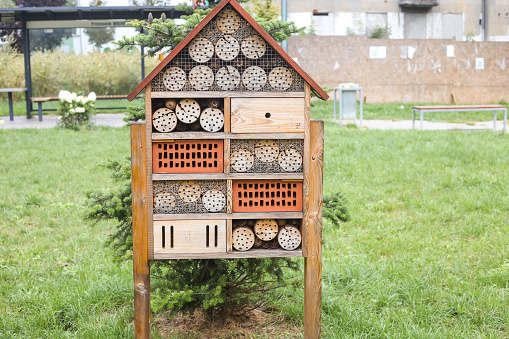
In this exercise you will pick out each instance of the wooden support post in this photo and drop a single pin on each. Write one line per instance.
(313, 226)
(141, 263)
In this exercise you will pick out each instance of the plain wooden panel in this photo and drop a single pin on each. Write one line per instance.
(190, 236)
(141, 267)
(206, 216)
(224, 176)
(213, 94)
(313, 226)
(267, 115)
(227, 115)
(229, 240)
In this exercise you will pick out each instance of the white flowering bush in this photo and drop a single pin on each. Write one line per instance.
(75, 111)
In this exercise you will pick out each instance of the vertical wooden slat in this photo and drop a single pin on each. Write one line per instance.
(313, 226)
(141, 268)
(229, 225)
(150, 202)
(227, 115)
(226, 156)
(229, 196)
(305, 165)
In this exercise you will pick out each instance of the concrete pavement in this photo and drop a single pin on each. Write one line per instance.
(50, 121)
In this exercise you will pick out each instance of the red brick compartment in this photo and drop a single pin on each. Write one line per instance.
(188, 156)
(267, 196)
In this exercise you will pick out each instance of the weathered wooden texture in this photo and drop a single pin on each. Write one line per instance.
(305, 162)
(189, 236)
(427, 75)
(220, 135)
(214, 94)
(148, 145)
(141, 266)
(252, 253)
(313, 226)
(270, 115)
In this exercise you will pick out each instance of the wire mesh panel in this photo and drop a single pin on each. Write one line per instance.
(267, 196)
(228, 42)
(189, 196)
(266, 156)
(188, 156)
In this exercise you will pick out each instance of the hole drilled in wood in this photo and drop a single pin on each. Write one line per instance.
(174, 78)
(164, 120)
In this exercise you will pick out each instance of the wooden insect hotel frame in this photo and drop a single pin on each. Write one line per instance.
(227, 163)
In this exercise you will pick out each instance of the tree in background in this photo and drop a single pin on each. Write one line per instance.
(265, 10)
(99, 36)
(39, 39)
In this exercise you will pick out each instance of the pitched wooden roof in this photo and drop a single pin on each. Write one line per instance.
(315, 88)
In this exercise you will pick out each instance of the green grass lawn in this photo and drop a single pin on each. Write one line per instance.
(399, 111)
(424, 256)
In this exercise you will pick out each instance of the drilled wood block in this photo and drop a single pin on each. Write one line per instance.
(254, 47)
(201, 78)
(289, 238)
(254, 78)
(266, 229)
(212, 119)
(188, 111)
(201, 49)
(174, 78)
(269, 115)
(188, 156)
(242, 160)
(189, 236)
(228, 78)
(280, 78)
(228, 21)
(164, 120)
(243, 238)
(227, 48)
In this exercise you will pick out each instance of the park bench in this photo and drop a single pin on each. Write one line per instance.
(461, 108)
(41, 100)
(9, 92)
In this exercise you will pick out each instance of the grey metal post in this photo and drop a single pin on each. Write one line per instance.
(284, 43)
(360, 107)
(28, 72)
(335, 102)
(11, 109)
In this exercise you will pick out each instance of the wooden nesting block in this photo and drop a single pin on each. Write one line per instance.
(201, 49)
(266, 150)
(189, 236)
(290, 159)
(266, 196)
(289, 238)
(188, 156)
(174, 78)
(201, 78)
(242, 160)
(165, 201)
(228, 78)
(243, 238)
(228, 21)
(188, 111)
(253, 47)
(164, 120)
(254, 78)
(227, 48)
(267, 115)
(280, 78)
(212, 119)
(266, 229)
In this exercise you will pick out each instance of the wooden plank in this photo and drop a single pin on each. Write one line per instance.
(189, 236)
(141, 267)
(430, 108)
(208, 216)
(254, 253)
(313, 226)
(227, 115)
(269, 115)
(226, 157)
(229, 226)
(213, 94)
(229, 196)
(225, 176)
(148, 125)
(207, 135)
(305, 162)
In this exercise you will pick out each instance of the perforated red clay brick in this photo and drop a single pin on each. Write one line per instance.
(188, 156)
(267, 196)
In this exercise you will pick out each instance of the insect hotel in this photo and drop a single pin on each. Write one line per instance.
(227, 163)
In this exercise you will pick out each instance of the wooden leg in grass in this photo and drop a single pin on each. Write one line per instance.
(141, 266)
(313, 224)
